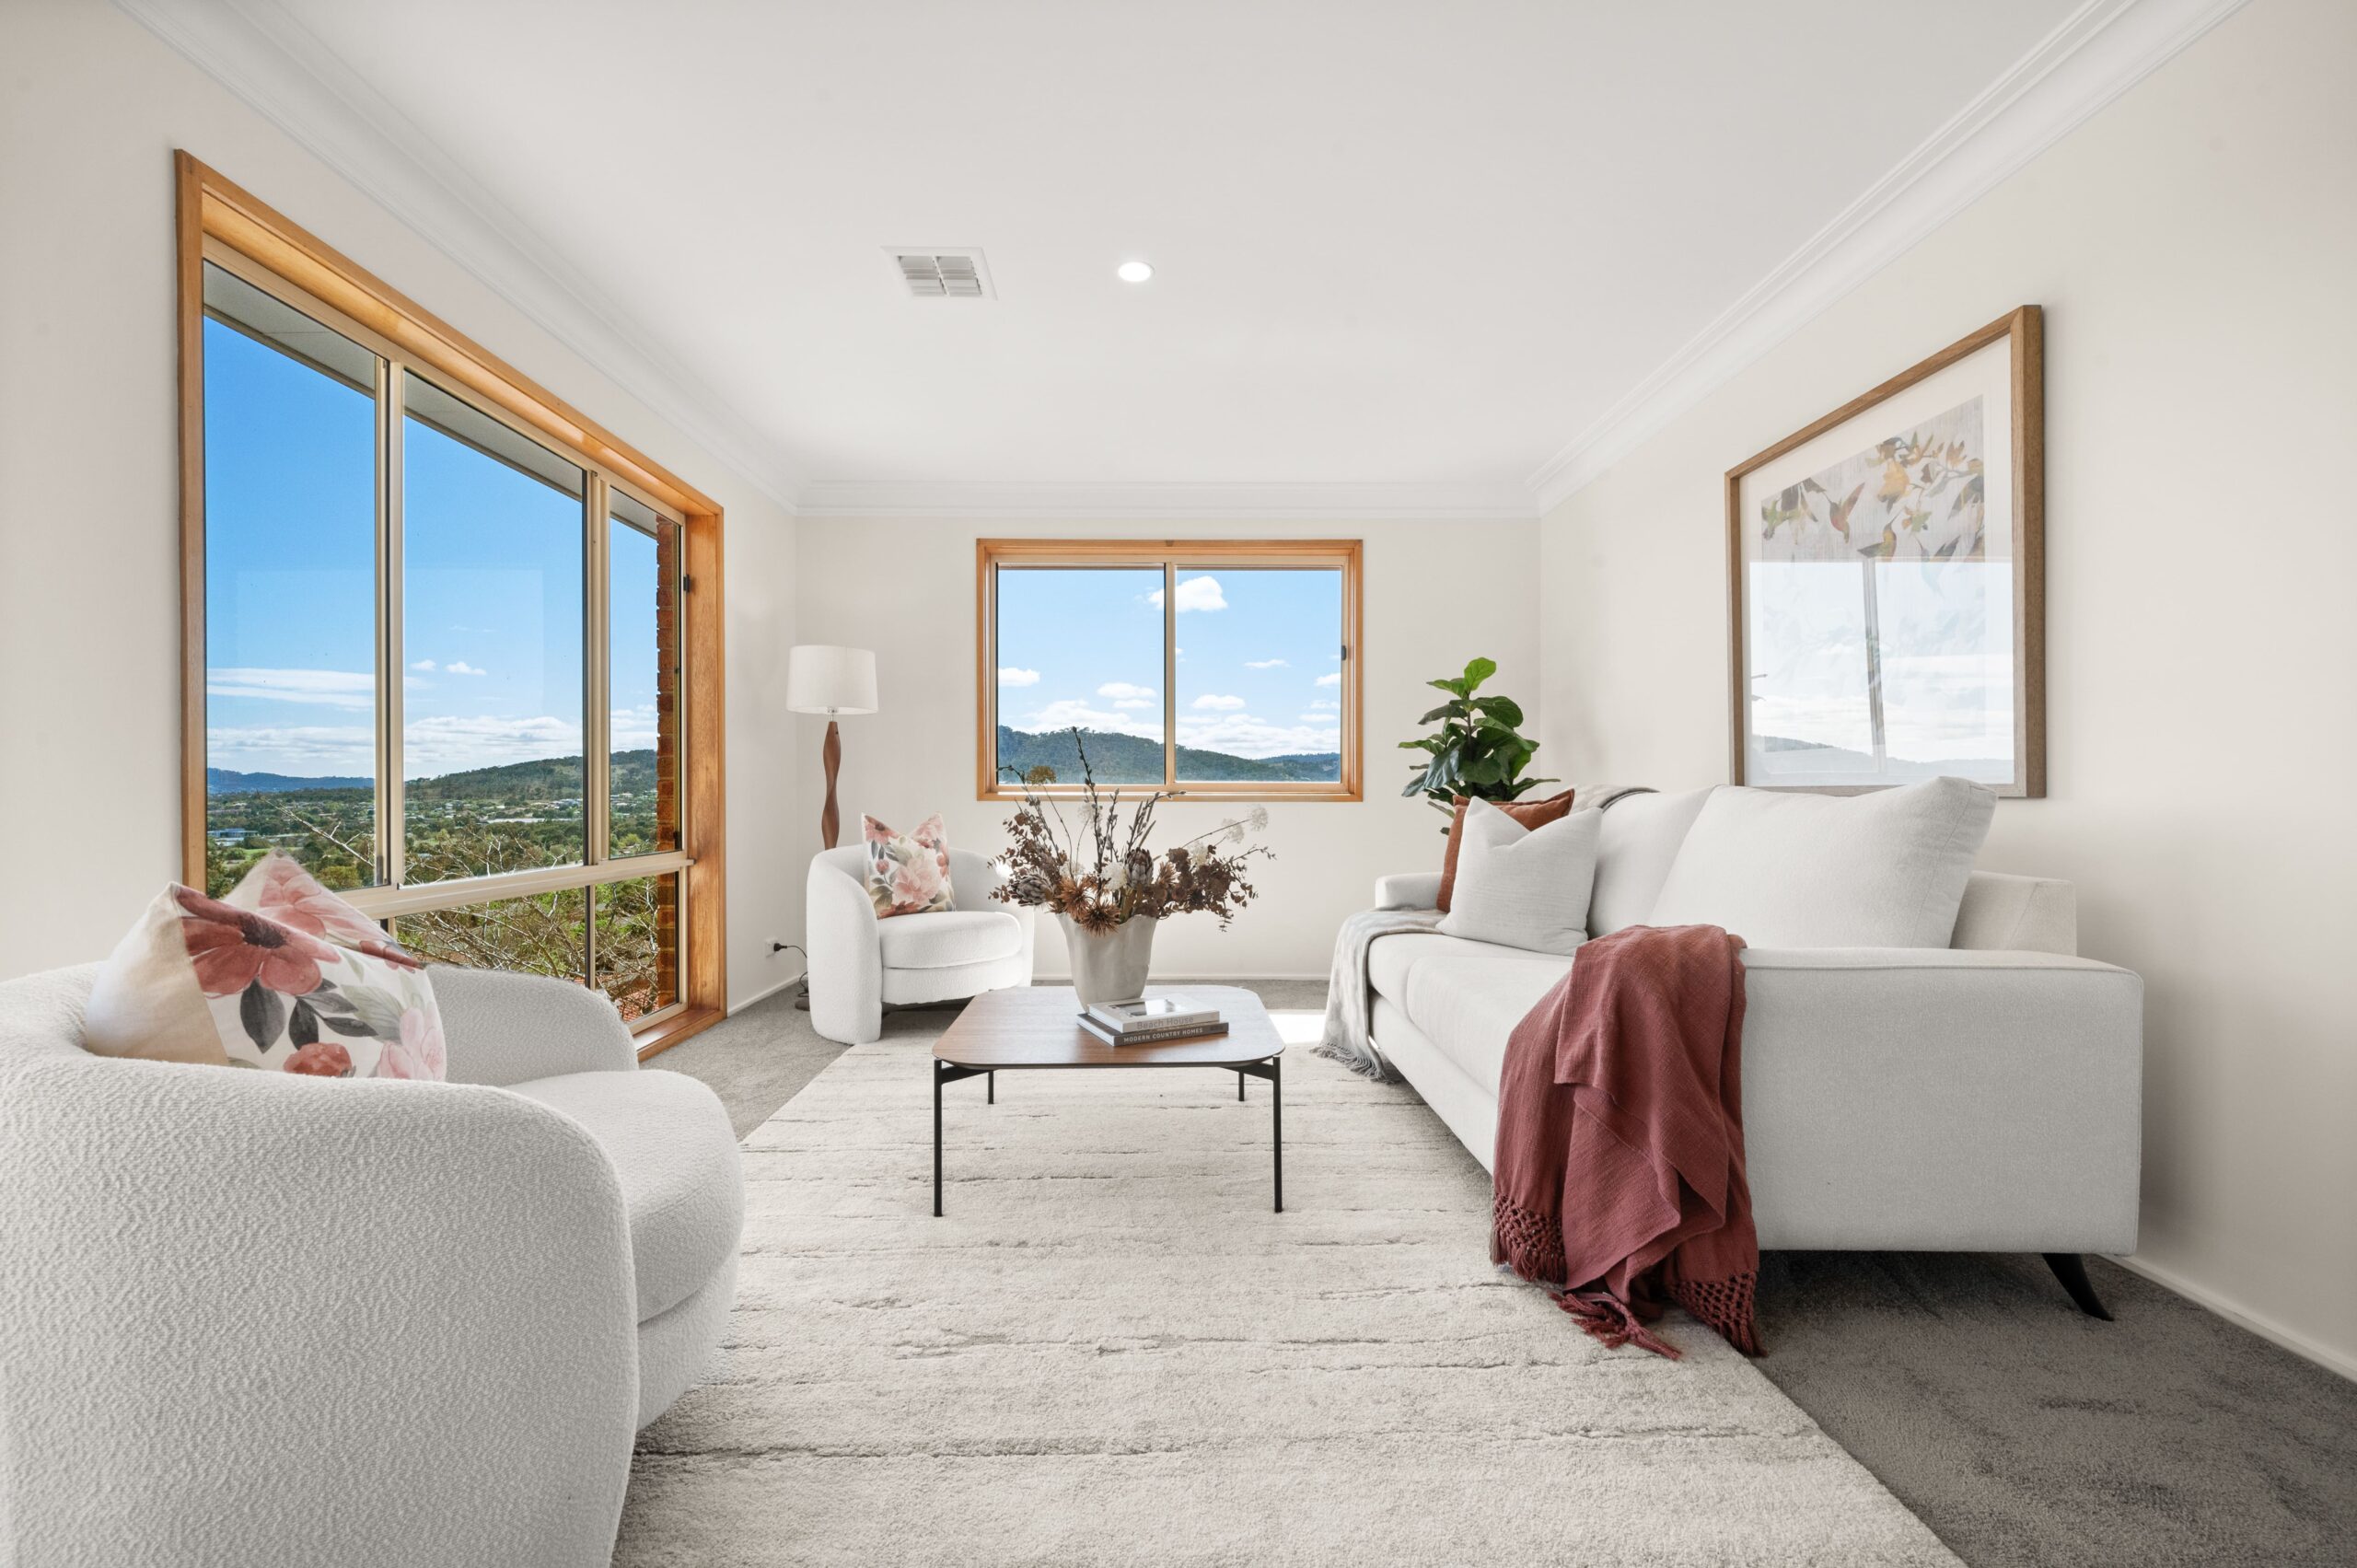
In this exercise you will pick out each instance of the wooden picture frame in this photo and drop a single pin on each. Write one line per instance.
(1916, 675)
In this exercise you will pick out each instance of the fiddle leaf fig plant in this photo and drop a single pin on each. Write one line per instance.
(1477, 750)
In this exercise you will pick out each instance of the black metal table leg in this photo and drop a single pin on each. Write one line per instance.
(949, 1073)
(1277, 1123)
(992, 1090)
(1239, 1088)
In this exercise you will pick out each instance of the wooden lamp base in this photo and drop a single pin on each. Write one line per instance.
(833, 755)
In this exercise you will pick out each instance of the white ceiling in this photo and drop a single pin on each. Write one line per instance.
(1395, 244)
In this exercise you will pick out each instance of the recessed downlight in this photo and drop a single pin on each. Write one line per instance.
(1134, 272)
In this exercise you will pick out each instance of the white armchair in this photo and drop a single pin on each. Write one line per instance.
(860, 965)
(252, 1317)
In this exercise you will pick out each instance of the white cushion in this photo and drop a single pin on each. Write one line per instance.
(1880, 870)
(951, 937)
(1390, 959)
(1466, 997)
(2034, 914)
(909, 988)
(1523, 887)
(1640, 840)
(671, 1145)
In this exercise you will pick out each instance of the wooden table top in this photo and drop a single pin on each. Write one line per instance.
(1034, 1026)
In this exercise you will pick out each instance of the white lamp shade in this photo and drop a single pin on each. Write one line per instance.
(822, 680)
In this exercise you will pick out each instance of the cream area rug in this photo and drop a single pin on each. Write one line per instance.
(1110, 1351)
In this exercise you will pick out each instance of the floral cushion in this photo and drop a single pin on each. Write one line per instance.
(909, 873)
(281, 975)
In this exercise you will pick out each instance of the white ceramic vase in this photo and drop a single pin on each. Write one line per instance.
(1109, 966)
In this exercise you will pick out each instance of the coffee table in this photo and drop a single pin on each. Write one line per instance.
(1035, 1027)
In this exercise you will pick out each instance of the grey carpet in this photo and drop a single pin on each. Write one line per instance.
(2021, 1433)
(757, 1059)
(1110, 1351)
(2027, 1434)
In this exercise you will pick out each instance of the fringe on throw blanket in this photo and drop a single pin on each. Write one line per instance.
(1349, 998)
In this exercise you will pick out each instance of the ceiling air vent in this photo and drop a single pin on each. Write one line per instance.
(943, 275)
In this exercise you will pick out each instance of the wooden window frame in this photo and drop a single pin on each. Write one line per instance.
(1173, 556)
(218, 221)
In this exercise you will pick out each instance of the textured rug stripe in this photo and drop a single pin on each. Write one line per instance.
(1111, 1351)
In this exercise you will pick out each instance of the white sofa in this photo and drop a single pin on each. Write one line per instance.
(860, 965)
(252, 1317)
(1983, 1097)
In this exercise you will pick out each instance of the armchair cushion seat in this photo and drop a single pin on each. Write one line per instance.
(948, 938)
(674, 1154)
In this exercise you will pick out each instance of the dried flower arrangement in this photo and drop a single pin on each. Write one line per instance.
(1113, 878)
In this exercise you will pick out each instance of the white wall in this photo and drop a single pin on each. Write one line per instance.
(2194, 246)
(91, 106)
(1437, 595)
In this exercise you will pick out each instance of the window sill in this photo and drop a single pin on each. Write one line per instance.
(655, 1038)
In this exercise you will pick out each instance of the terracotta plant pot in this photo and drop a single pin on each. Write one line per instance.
(1109, 966)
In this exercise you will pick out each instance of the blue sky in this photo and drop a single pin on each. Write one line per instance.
(492, 588)
(1258, 655)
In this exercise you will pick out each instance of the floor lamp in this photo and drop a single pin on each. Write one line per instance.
(830, 680)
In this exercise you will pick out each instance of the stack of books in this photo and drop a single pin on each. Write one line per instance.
(1150, 1020)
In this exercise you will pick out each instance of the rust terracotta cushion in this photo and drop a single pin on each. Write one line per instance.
(1530, 813)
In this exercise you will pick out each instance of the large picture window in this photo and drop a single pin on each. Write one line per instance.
(446, 644)
(1224, 669)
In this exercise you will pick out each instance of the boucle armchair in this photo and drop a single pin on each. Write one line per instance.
(252, 1317)
(859, 965)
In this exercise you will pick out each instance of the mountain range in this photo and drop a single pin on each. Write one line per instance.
(1133, 760)
(543, 778)
(1117, 760)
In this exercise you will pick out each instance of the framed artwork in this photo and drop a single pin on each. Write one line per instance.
(1885, 578)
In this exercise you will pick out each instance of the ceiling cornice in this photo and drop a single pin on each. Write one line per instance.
(260, 53)
(2099, 52)
(273, 63)
(1172, 502)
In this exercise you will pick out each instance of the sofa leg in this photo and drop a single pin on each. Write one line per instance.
(2072, 1270)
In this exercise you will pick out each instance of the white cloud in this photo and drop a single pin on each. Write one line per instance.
(1327, 704)
(423, 664)
(1264, 664)
(461, 666)
(1215, 702)
(434, 746)
(1335, 679)
(636, 729)
(326, 688)
(1241, 735)
(450, 744)
(1125, 695)
(1195, 593)
(1069, 713)
(1010, 676)
(300, 749)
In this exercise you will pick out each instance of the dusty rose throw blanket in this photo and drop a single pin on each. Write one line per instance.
(1619, 1158)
